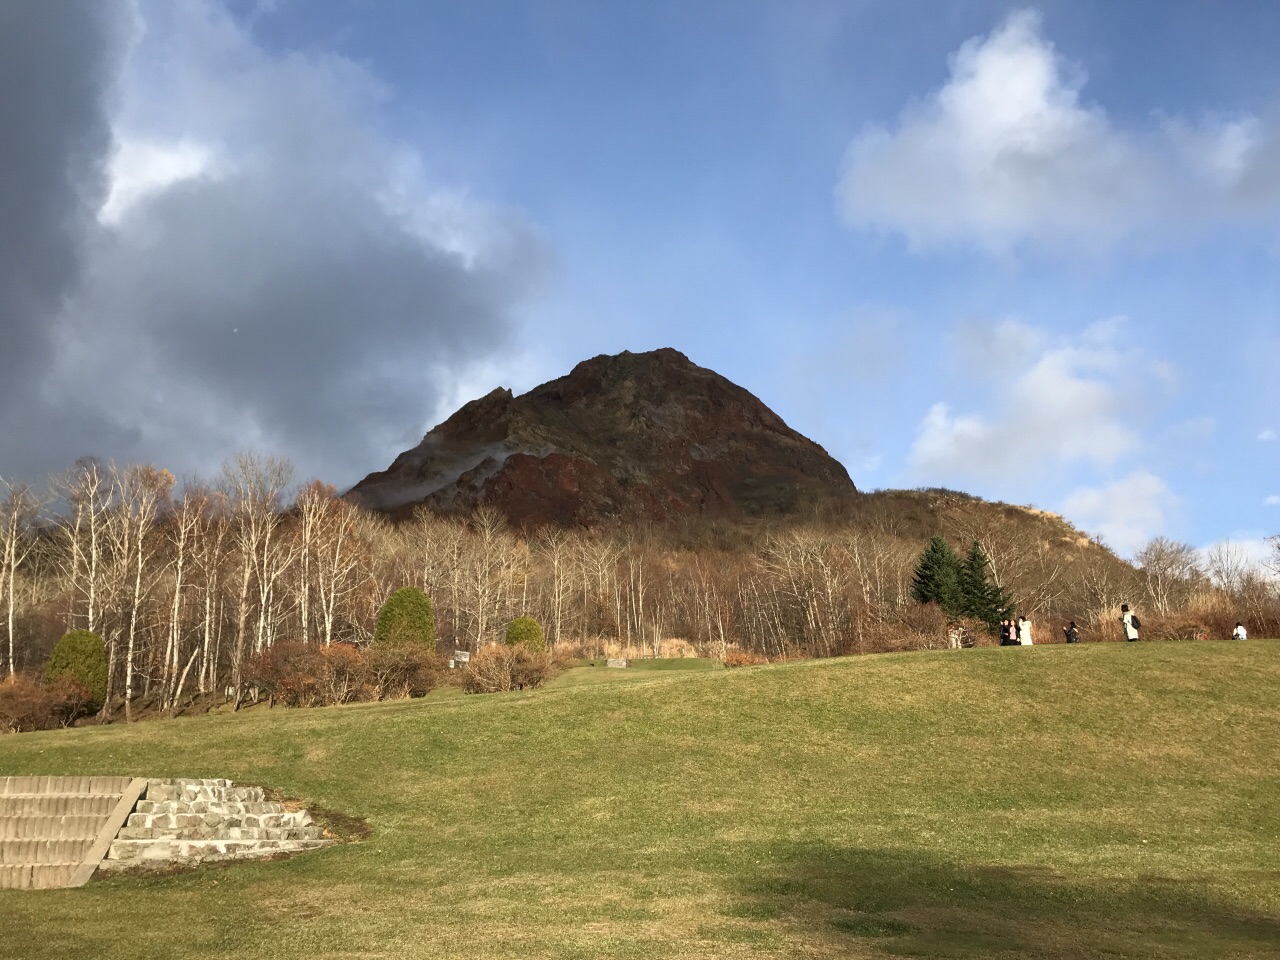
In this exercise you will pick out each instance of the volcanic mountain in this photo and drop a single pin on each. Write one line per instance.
(637, 436)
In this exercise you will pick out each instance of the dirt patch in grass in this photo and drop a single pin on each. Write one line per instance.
(339, 826)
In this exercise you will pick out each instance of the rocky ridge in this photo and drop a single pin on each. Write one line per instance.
(636, 436)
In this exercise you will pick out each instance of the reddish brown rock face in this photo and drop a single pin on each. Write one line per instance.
(647, 436)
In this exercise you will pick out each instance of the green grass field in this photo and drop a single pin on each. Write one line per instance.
(1109, 800)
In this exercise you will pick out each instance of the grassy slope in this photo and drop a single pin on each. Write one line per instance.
(1053, 802)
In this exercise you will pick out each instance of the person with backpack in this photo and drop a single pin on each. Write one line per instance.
(1071, 632)
(1131, 623)
(1240, 633)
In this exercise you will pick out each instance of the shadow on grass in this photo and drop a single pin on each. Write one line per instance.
(902, 903)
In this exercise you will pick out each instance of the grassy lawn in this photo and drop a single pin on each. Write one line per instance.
(595, 671)
(1059, 802)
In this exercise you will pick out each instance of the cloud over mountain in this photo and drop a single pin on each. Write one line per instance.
(232, 252)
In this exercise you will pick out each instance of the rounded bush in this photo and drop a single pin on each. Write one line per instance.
(406, 617)
(498, 668)
(83, 655)
(526, 632)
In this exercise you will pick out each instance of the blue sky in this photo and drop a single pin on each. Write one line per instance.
(1030, 252)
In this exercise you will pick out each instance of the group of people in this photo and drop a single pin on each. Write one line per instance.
(1017, 632)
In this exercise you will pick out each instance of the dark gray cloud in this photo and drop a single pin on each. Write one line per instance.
(269, 272)
(58, 66)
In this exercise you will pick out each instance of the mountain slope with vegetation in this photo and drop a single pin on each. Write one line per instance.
(632, 437)
(1057, 802)
(687, 516)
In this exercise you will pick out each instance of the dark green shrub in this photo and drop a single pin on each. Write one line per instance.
(83, 655)
(526, 632)
(406, 617)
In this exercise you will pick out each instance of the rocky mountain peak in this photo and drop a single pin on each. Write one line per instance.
(630, 436)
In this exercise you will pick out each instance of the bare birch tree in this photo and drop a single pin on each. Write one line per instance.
(142, 492)
(256, 488)
(18, 512)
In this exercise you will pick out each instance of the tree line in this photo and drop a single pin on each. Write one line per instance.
(186, 583)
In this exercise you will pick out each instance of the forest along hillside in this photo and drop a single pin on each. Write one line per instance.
(184, 585)
(667, 511)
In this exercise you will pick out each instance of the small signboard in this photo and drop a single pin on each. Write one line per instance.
(462, 656)
(615, 662)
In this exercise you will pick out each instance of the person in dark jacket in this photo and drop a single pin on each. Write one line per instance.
(1071, 632)
(1008, 633)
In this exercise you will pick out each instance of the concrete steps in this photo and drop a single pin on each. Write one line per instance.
(89, 786)
(55, 830)
(35, 827)
(192, 821)
(57, 805)
(132, 852)
(37, 876)
(205, 832)
(229, 807)
(45, 850)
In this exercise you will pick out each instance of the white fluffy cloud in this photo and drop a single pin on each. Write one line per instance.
(1127, 512)
(1006, 153)
(140, 169)
(1062, 402)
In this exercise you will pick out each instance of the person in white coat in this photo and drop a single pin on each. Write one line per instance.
(1240, 633)
(1129, 622)
(1024, 631)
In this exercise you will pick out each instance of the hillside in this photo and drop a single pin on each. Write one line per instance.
(636, 436)
(1048, 802)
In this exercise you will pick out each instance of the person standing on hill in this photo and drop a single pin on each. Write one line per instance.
(1130, 622)
(1239, 633)
(1024, 632)
(1072, 633)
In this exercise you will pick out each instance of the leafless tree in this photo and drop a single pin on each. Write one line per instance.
(1226, 565)
(256, 488)
(212, 510)
(18, 513)
(88, 492)
(328, 553)
(142, 493)
(1169, 569)
(554, 549)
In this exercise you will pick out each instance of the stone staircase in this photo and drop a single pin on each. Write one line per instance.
(192, 821)
(55, 830)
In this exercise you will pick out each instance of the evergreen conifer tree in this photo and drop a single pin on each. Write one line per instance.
(980, 598)
(937, 577)
(83, 655)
